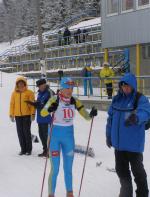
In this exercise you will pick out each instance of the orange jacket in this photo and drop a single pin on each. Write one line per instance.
(18, 106)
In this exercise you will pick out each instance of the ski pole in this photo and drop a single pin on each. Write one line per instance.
(86, 157)
(51, 128)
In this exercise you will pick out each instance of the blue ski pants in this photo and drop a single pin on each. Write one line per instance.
(62, 140)
(88, 84)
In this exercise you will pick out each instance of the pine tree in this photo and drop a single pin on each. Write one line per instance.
(18, 18)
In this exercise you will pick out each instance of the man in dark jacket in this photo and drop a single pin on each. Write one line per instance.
(44, 93)
(125, 131)
(67, 36)
(77, 36)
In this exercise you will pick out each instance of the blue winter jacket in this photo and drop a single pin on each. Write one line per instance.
(127, 138)
(42, 99)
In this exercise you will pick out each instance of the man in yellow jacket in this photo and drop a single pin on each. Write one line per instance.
(23, 114)
(107, 73)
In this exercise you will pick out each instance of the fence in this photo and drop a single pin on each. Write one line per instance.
(96, 88)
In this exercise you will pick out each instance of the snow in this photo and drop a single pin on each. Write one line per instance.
(92, 22)
(22, 175)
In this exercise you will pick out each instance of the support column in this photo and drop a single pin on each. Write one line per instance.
(138, 61)
(106, 55)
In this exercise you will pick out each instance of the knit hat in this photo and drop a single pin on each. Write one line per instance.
(40, 82)
(106, 64)
(122, 83)
(66, 82)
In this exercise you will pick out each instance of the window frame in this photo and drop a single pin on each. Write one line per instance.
(146, 52)
(126, 11)
(142, 6)
(112, 14)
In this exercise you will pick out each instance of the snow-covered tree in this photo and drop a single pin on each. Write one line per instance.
(18, 18)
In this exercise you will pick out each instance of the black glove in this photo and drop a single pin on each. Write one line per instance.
(53, 107)
(93, 112)
(131, 120)
(108, 142)
(35, 103)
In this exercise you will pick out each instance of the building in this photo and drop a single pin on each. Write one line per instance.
(126, 23)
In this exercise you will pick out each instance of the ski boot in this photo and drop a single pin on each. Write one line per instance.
(43, 154)
(70, 194)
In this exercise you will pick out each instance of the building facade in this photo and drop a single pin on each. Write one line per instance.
(125, 22)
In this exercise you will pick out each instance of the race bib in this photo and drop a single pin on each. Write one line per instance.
(64, 114)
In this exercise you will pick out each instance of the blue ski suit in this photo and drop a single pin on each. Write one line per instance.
(87, 73)
(62, 139)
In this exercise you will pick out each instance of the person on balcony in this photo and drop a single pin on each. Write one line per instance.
(87, 73)
(84, 35)
(67, 36)
(77, 36)
(60, 37)
(107, 73)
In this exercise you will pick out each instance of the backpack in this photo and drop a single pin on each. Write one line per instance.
(137, 97)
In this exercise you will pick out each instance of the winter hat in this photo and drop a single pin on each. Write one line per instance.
(66, 82)
(88, 64)
(40, 82)
(122, 83)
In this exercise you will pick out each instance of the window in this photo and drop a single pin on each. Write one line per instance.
(127, 5)
(143, 3)
(146, 52)
(112, 7)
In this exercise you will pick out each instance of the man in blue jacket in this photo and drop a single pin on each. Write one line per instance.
(44, 93)
(125, 131)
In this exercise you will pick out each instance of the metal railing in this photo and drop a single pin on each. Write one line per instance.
(84, 37)
(72, 19)
(65, 59)
(32, 40)
(98, 86)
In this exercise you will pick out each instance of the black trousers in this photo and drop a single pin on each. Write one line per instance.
(23, 124)
(43, 133)
(109, 89)
(67, 40)
(134, 161)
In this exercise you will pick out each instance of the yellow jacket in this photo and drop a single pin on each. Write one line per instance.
(107, 72)
(82, 110)
(18, 106)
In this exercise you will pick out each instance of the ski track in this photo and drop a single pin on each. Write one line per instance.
(22, 175)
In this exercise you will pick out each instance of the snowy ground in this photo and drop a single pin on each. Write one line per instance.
(21, 176)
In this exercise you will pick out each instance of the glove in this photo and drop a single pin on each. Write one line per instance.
(93, 112)
(32, 117)
(35, 104)
(53, 107)
(12, 118)
(108, 142)
(131, 120)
